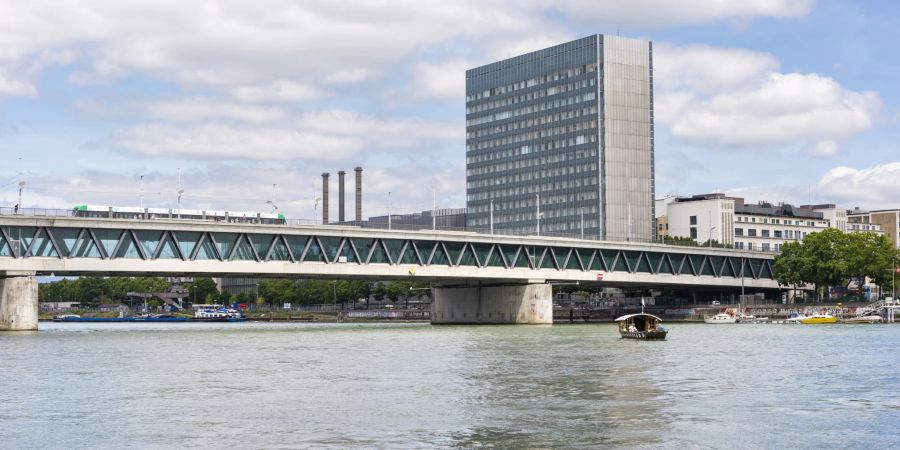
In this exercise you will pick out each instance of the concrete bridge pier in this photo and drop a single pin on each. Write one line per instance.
(18, 302)
(512, 304)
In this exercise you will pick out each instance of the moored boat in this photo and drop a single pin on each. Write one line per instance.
(818, 318)
(213, 314)
(874, 318)
(641, 326)
(141, 318)
(721, 318)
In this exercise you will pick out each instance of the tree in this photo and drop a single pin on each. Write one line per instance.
(202, 288)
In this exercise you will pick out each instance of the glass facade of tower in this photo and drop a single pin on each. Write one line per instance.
(537, 130)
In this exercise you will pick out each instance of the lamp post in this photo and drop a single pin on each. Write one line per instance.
(433, 210)
(537, 215)
(21, 186)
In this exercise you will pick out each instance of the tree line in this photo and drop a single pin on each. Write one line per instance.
(92, 291)
(833, 258)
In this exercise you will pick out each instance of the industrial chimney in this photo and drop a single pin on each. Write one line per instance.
(325, 198)
(358, 194)
(341, 196)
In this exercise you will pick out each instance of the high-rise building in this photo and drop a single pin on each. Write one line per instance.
(570, 127)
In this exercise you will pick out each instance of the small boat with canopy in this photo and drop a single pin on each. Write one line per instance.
(641, 326)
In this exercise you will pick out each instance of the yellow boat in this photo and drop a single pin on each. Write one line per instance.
(819, 318)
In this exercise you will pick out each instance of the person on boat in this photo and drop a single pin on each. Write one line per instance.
(631, 327)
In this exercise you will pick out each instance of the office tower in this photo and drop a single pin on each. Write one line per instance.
(570, 126)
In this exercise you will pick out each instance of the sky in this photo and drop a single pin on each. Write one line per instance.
(239, 103)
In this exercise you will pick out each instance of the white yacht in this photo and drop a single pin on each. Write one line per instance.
(721, 318)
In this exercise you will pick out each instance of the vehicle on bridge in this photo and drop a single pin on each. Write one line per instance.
(130, 212)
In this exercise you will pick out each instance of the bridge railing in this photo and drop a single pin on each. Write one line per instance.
(381, 225)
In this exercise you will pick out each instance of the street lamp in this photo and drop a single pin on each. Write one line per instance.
(180, 193)
(537, 215)
(582, 223)
(21, 185)
(273, 205)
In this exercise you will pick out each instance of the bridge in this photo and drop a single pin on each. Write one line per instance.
(478, 278)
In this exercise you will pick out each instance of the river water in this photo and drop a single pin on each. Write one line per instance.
(261, 385)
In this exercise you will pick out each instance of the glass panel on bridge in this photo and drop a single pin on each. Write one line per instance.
(127, 248)
(495, 259)
(755, 267)
(149, 240)
(584, 255)
(330, 247)
(665, 266)
(297, 244)
(454, 249)
(65, 239)
(547, 259)
(42, 246)
(394, 246)
(707, 267)
(728, 268)
(347, 252)
(654, 258)
(379, 255)
(525, 257)
(108, 239)
(168, 250)
(440, 256)
(716, 263)
(697, 263)
(409, 255)
(509, 252)
(619, 264)
(643, 265)
(261, 243)
(24, 235)
(86, 247)
(280, 251)
(4, 247)
(681, 265)
(767, 270)
(482, 251)
(243, 251)
(632, 258)
(314, 252)
(187, 240)
(425, 248)
(207, 250)
(573, 261)
(597, 263)
(609, 258)
(468, 257)
(225, 243)
(363, 247)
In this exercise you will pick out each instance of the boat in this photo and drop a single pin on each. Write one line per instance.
(213, 314)
(721, 318)
(795, 318)
(140, 318)
(874, 318)
(641, 326)
(818, 318)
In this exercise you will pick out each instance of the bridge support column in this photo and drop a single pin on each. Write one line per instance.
(519, 304)
(18, 303)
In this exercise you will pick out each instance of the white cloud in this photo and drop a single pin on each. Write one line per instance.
(277, 91)
(15, 88)
(871, 187)
(382, 132)
(324, 136)
(737, 99)
(217, 141)
(441, 81)
(649, 13)
(202, 109)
